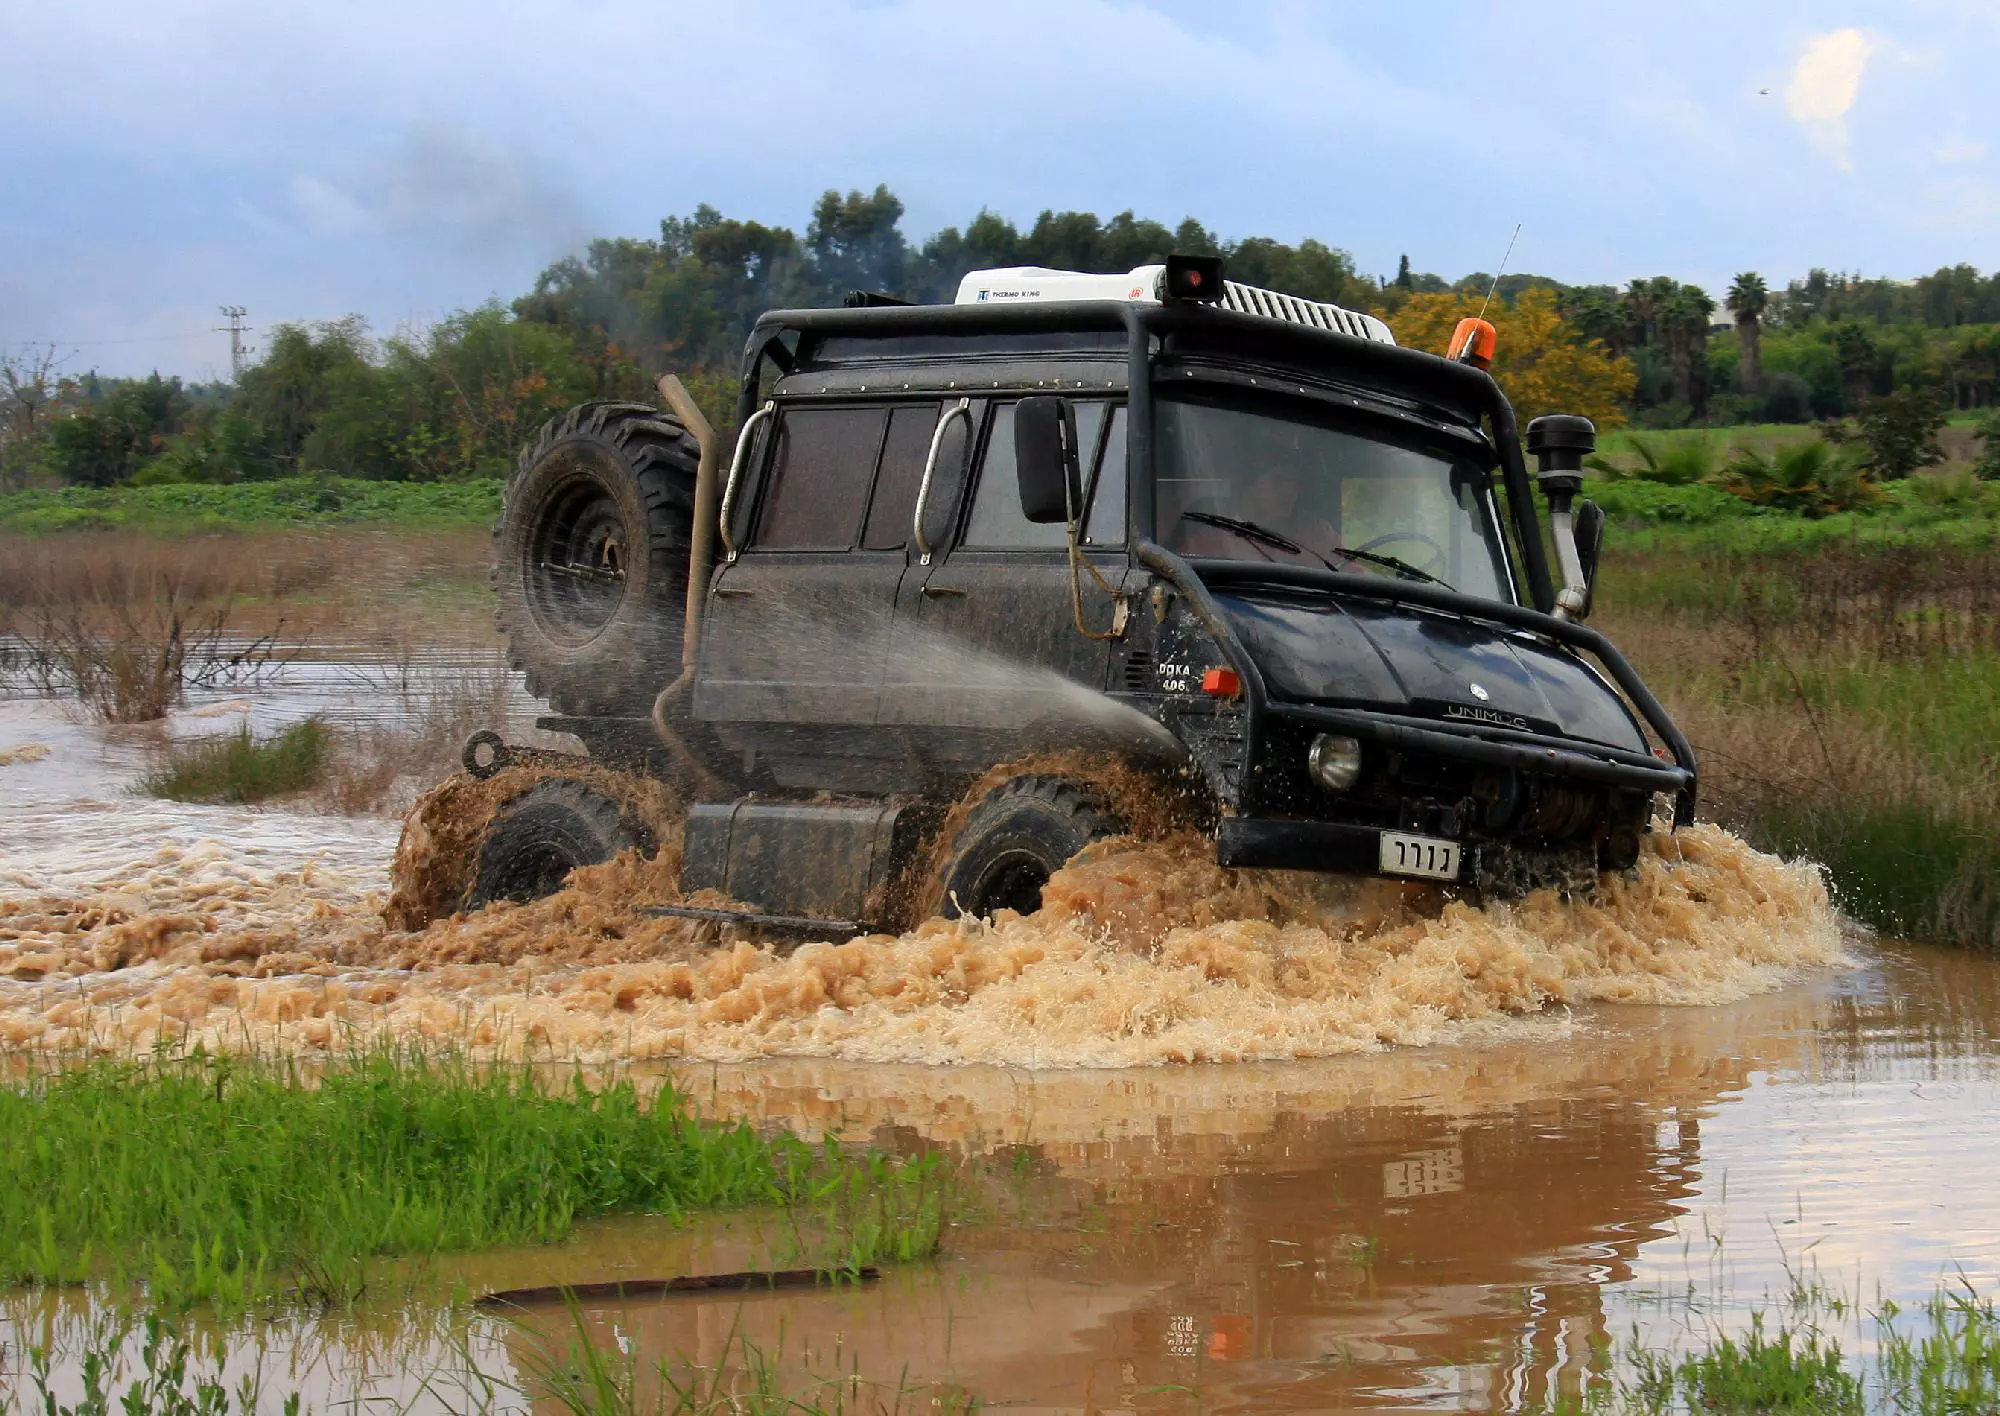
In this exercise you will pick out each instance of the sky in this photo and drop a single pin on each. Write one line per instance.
(404, 159)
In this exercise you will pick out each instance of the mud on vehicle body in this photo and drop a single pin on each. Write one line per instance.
(1223, 535)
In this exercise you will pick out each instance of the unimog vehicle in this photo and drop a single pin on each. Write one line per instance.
(1232, 541)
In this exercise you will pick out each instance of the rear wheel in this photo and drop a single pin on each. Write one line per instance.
(1021, 833)
(539, 837)
(591, 557)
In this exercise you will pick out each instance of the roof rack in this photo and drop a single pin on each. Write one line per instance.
(1014, 285)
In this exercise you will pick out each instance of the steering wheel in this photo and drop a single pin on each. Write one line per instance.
(1438, 556)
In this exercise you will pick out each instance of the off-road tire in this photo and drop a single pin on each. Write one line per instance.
(591, 557)
(1020, 833)
(540, 836)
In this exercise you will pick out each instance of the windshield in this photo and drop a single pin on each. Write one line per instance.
(1282, 481)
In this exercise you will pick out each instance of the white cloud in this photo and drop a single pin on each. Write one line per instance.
(1824, 86)
(326, 209)
(1960, 150)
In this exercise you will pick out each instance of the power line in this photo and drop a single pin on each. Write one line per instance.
(89, 343)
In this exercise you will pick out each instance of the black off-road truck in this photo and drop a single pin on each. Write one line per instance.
(1234, 539)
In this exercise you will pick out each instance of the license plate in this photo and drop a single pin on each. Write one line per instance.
(1427, 857)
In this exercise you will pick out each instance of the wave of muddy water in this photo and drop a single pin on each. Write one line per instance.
(125, 922)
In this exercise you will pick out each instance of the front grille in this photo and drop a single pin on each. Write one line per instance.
(1138, 672)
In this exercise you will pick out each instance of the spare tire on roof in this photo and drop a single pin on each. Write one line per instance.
(591, 557)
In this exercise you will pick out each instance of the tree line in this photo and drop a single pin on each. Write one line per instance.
(456, 400)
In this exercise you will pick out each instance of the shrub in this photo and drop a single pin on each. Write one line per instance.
(1787, 399)
(1674, 462)
(1901, 430)
(1808, 479)
(236, 767)
(1987, 468)
(1958, 490)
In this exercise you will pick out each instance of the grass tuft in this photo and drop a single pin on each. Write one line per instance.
(1789, 1374)
(212, 1179)
(236, 767)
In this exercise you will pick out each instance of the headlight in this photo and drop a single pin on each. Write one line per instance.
(1334, 762)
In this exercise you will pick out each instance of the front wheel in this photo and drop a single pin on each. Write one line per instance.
(1021, 833)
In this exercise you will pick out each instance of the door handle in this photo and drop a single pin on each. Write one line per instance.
(939, 592)
(733, 592)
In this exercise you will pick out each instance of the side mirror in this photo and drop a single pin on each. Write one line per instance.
(1045, 460)
(1589, 545)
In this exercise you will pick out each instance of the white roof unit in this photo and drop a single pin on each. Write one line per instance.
(1012, 285)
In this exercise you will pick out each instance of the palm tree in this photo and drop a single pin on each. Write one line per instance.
(1684, 316)
(1746, 300)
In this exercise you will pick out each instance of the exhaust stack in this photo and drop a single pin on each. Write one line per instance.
(1559, 443)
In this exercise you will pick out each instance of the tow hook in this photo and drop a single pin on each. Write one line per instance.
(486, 753)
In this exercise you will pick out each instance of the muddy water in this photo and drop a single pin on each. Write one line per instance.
(1476, 1143)
(1452, 1227)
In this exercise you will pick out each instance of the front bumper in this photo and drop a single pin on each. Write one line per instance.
(1251, 842)
(1497, 747)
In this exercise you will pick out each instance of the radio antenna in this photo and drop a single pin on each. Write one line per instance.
(1495, 286)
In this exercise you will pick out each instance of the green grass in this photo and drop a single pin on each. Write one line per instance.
(170, 1378)
(1947, 707)
(1926, 509)
(1786, 1374)
(1742, 437)
(209, 1179)
(152, 1367)
(1907, 869)
(189, 508)
(236, 767)
(1940, 1358)
(585, 1379)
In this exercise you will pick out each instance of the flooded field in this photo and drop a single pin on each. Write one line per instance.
(1273, 1145)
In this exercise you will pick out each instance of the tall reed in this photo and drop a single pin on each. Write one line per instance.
(1845, 703)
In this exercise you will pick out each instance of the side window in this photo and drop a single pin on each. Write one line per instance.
(818, 479)
(1089, 423)
(1106, 526)
(903, 453)
(996, 522)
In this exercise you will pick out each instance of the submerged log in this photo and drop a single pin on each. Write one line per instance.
(753, 1281)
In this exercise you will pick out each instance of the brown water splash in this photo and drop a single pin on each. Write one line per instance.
(1142, 954)
(438, 854)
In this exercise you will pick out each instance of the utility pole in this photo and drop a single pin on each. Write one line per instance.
(235, 329)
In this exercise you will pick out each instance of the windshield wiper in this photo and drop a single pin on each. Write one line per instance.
(1252, 531)
(1248, 529)
(1395, 563)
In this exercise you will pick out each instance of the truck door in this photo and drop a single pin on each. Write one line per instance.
(795, 628)
(985, 650)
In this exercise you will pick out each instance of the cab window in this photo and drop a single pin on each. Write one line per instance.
(1106, 526)
(817, 483)
(995, 521)
(903, 452)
